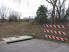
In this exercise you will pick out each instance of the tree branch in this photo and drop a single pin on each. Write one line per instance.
(50, 1)
(63, 3)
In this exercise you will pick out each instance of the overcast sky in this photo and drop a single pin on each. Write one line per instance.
(25, 7)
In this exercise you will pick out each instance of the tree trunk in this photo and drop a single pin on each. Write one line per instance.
(53, 15)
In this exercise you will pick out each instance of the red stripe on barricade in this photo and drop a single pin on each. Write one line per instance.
(49, 31)
(52, 26)
(56, 26)
(48, 25)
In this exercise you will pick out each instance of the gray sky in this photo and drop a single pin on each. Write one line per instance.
(25, 7)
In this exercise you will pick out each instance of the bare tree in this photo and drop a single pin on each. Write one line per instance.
(60, 9)
(53, 3)
(3, 13)
(14, 17)
(57, 5)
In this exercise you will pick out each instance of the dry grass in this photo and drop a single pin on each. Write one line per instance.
(16, 29)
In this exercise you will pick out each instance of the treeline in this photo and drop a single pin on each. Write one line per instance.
(58, 14)
(8, 15)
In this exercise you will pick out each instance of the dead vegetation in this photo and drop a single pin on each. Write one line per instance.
(19, 29)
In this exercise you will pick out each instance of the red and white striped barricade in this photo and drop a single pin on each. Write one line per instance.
(55, 32)
(55, 26)
(55, 38)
